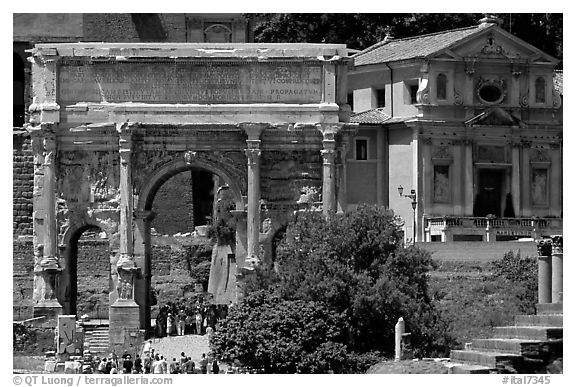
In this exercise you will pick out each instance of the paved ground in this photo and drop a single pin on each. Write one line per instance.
(192, 345)
(409, 367)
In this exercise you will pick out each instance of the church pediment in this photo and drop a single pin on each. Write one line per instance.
(495, 116)
(495, 43)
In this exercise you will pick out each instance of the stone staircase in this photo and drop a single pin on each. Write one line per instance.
(528, 346)
(96, 339)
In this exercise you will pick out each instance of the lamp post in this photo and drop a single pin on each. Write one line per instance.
(412, 196)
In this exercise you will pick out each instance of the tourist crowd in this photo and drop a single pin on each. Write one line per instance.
(178, 318)
(151, 363)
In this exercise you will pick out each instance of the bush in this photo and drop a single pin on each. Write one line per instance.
(522, 273)
(355, 267)
(278, 336)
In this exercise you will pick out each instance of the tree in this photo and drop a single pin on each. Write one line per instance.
(278, 336)
(355, 264)
(346, 279)
(359, 31)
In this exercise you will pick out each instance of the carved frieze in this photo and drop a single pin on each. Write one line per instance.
(458, 100)
(442, 152)
(88, 177)
(539, 155)
(492, 48)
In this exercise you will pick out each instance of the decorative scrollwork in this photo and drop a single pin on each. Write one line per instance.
(458, 100)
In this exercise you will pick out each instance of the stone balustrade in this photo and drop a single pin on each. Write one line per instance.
(444, 228)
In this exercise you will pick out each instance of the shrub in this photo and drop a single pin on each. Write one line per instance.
(355, 265)
(522, 273)
(279, 336)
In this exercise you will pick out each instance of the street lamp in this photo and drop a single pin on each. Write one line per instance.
(411, 195)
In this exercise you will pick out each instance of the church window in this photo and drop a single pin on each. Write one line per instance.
(380, 98)
(540, 90)
(441, 84)
(361, 149)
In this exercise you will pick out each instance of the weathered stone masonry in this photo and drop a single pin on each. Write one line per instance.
(22, 183)
(111, 123)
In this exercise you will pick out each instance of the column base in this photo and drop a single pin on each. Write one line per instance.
(51, 309)
(124, 322)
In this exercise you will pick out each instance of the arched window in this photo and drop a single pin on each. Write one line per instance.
(18, 70)
(540, 90)
(441, 83)
(217, 33)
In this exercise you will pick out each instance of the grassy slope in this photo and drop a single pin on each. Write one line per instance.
(472, 299)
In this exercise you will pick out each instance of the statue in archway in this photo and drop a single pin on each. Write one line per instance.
(126, 269)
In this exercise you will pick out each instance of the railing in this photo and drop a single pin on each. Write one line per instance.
(491, 228)
(477, 222)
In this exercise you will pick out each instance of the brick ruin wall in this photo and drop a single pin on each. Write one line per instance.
(22, 183)
(173, 205)
(170, 267)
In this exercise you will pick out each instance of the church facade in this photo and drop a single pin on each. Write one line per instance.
(467, 125)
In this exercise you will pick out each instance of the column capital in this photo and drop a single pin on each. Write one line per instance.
(557, 244)
(253, 129)
(329, 130)
(515, 143)
(253, 155)
(544, 247)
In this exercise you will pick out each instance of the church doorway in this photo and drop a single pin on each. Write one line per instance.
(489, 195)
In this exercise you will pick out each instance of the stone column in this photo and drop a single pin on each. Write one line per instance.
(253, 153)
(544, 271)
(557, 270)
(125, 230)
(143, 258)
(380, 167)
(47, 265)
(399, 331)
(124, 311)
(342, 194)
(515, 183)
(329, 132)
(44, 107)
(468, 178)
(427, 187)
(49, 194)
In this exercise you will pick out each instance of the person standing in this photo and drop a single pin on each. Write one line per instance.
(198, 322)
(138, 364)
(181, 325)
(191, 367)
(204, 364)
(173, 366)
(164, 363)
(215, 367)
(127, 364)
(147, 347)
(169, 324)
(157, 366)
(102, 366)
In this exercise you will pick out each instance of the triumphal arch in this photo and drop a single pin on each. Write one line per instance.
(111, 122)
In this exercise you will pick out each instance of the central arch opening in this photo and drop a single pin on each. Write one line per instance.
(180, 250)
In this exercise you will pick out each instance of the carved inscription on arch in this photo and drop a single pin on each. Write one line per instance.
(191, 83)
